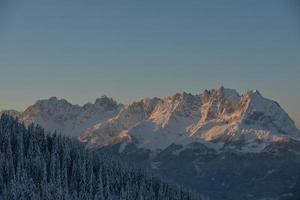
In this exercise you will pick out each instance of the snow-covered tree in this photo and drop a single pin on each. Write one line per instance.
(39, 166)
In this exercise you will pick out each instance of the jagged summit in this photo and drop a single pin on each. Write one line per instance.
(53, 100)
(59, 115)
(106, 101)
(254, 92)
(215, 116)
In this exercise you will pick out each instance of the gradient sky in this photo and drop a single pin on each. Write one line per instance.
(82, 49)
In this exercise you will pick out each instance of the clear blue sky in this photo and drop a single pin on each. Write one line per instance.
(82, 49)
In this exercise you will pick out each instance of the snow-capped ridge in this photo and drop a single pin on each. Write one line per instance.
(59, 115)
(217, 115)
(214, 116)
(254, 92)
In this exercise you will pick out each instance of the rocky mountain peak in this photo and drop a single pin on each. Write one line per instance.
(211, 116)
(107, 103)
(53, 103)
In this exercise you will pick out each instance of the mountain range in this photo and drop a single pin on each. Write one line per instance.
(213, 118)
(221, 143)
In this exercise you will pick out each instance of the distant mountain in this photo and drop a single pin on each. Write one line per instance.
(70, 120)
(213, 118)
(220, 143)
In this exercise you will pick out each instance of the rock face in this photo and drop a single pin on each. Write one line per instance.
(215, 117)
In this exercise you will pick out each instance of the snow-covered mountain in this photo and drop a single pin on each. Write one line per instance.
(214, 118)
(70, 120)
(228, 145)
(220, 143)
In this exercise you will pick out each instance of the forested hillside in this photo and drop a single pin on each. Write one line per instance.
(35, 165)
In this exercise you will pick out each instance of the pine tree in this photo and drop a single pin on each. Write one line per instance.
(36, 166)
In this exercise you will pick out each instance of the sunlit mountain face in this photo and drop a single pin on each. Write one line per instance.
(219, 143)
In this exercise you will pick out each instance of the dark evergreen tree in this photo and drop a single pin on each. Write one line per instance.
(39, 166)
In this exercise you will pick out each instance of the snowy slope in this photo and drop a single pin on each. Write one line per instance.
(71, 120)
(216, 117)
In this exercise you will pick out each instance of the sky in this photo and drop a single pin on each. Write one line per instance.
(80, 50)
